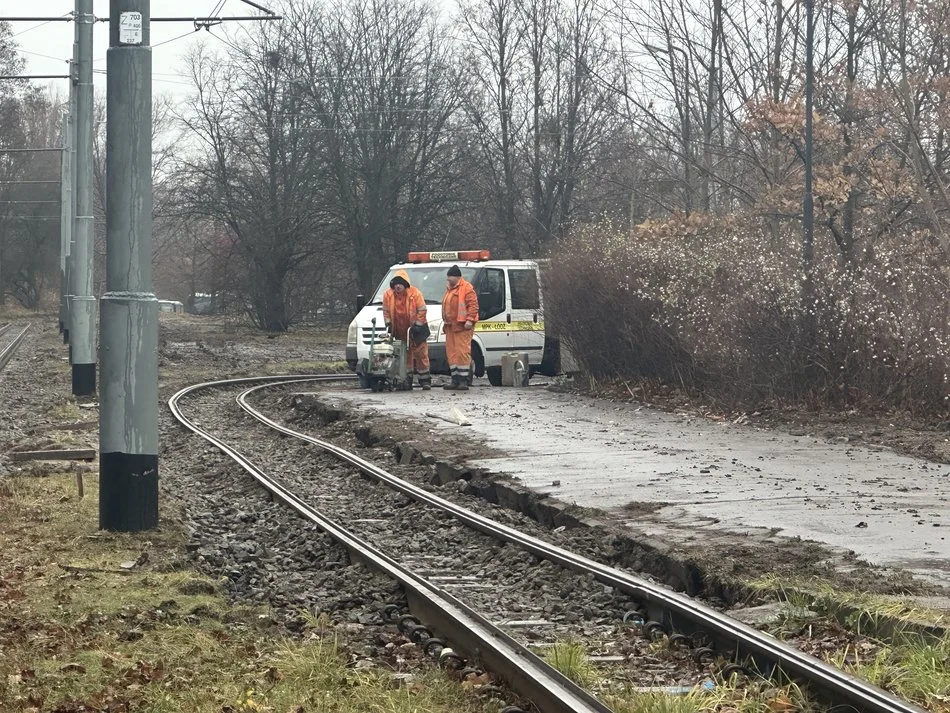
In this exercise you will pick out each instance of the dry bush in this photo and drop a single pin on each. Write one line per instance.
(722, 308)
(594, 297)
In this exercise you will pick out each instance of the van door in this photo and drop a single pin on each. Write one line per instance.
(494, 317)
(527, 323)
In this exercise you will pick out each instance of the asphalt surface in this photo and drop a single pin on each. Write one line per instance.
(697, 475)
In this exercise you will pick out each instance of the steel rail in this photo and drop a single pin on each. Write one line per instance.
(7, 353)
(471, 633)
(676, 609)
(5, 327)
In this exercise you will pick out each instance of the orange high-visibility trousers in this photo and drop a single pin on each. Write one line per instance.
(458, 349)
(417, 359)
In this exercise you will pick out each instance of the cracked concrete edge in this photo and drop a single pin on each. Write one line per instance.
(637, 552)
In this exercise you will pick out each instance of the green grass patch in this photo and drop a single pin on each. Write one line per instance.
(82, 630)
(570, 658)
(915, 669)
(885, 640)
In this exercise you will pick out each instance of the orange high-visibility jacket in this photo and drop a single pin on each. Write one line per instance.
(414, 304)
(459, 305)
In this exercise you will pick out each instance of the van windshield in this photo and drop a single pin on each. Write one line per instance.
(430, 279)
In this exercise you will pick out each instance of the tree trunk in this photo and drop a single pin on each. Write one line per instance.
(712, 100)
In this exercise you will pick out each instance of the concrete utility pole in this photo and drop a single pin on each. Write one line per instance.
(82, 333)
(71, 228)
(66, 218)
(128, 420)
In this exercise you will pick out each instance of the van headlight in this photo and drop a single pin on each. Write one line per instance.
(352, 332)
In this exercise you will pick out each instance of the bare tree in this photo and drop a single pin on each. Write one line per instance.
(11, 137)
(379, 94)
(491, 70)
(29, 195)
(255, 170)
(536, 72)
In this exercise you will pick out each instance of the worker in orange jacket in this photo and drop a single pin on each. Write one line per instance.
(404, 311)
(459, 315)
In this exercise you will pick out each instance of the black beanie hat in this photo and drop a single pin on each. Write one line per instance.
(454, 270)
(399, 280)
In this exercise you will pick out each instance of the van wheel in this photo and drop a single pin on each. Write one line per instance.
(494, 375)
(478, 362)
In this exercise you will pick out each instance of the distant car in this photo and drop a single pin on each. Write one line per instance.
(170, 306)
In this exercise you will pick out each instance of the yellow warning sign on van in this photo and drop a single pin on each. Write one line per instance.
(509, 326)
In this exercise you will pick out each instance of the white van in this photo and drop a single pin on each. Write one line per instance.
(509, 311)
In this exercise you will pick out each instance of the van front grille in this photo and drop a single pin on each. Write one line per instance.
(367, 335)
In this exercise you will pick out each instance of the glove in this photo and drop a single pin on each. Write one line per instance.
(418, 333)
(389, 327)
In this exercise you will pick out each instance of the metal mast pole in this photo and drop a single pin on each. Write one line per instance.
(128, 428)
(83, 330)
(70, 288)
(66, 218)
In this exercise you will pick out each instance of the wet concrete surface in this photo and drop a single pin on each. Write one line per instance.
(681, 477)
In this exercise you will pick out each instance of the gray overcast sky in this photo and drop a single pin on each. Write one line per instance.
(47, 46)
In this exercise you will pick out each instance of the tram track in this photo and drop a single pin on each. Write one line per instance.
(9, 348)
(658, 614)
(539, 682)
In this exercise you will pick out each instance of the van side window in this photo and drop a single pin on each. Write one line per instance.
(491, 293)
(524, 289)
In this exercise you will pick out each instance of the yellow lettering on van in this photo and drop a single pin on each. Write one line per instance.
(509, 326)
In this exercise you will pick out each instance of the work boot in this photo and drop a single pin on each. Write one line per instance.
(409, 383)
(455, 385)
(463, 382)
(425, 382)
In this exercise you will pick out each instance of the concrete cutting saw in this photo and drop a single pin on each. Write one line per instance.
(385, 368)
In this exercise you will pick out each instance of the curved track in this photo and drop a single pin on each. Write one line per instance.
(529, 676)
(549, 689)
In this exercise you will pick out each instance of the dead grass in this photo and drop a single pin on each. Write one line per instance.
(307, 367)
(67, 410)
(81, 628)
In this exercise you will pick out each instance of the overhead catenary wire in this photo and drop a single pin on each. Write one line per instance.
(44, 56)
(42, 24)
(34, 76)
(45, 20)
(175, 39)
(224, 40)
